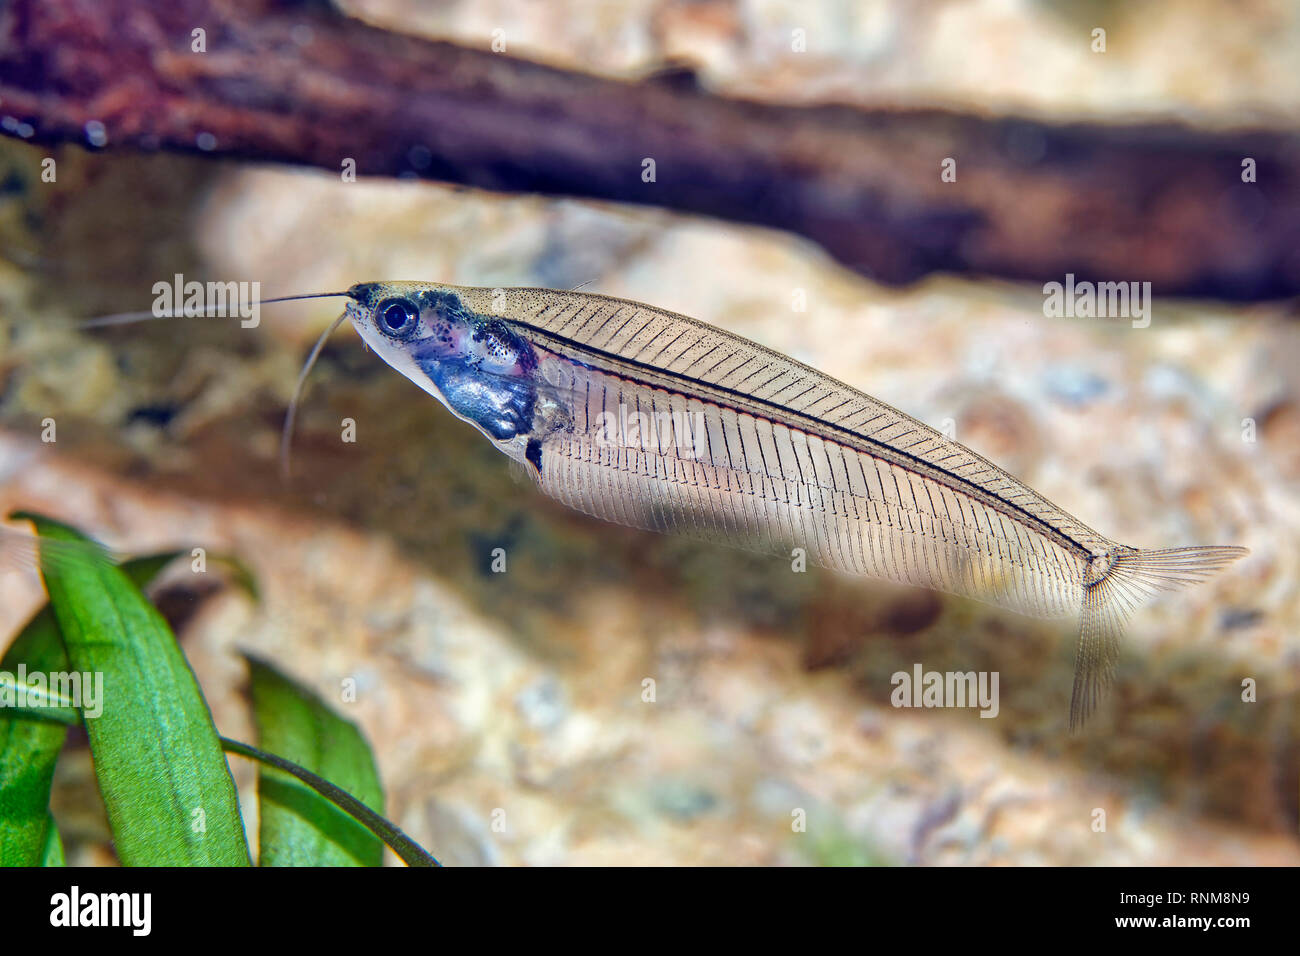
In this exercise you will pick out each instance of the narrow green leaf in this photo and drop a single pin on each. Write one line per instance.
(52, 854)
(29, 746)
(31, 737)
(30, 695)
(411, 852)
(144, 569)
(241, 575)
(165, 782)
(298, 827)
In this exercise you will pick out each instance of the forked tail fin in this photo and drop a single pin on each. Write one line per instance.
(1115, 585)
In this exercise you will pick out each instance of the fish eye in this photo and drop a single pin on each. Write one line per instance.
(397, 316)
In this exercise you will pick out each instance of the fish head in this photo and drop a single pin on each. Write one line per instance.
(480, 369)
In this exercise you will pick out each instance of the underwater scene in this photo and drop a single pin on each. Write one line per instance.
(665, 433)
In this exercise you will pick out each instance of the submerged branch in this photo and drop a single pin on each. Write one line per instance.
(296, 82)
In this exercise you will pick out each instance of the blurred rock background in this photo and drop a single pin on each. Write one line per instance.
(523, 692)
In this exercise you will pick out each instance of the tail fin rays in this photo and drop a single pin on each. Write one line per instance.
(1115, 585)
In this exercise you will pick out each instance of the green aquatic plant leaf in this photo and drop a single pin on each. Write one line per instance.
(411, 852)
(52, 852)
(241, 575)
(298, 826)
(32, 736)
(29, 745)
(165, 782)
(34, 731)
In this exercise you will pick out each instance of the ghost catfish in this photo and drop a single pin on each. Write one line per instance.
(781, 455)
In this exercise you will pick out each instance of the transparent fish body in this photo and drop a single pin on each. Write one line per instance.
(658, 421)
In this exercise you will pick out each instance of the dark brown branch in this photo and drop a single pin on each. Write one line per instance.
(297, 83)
